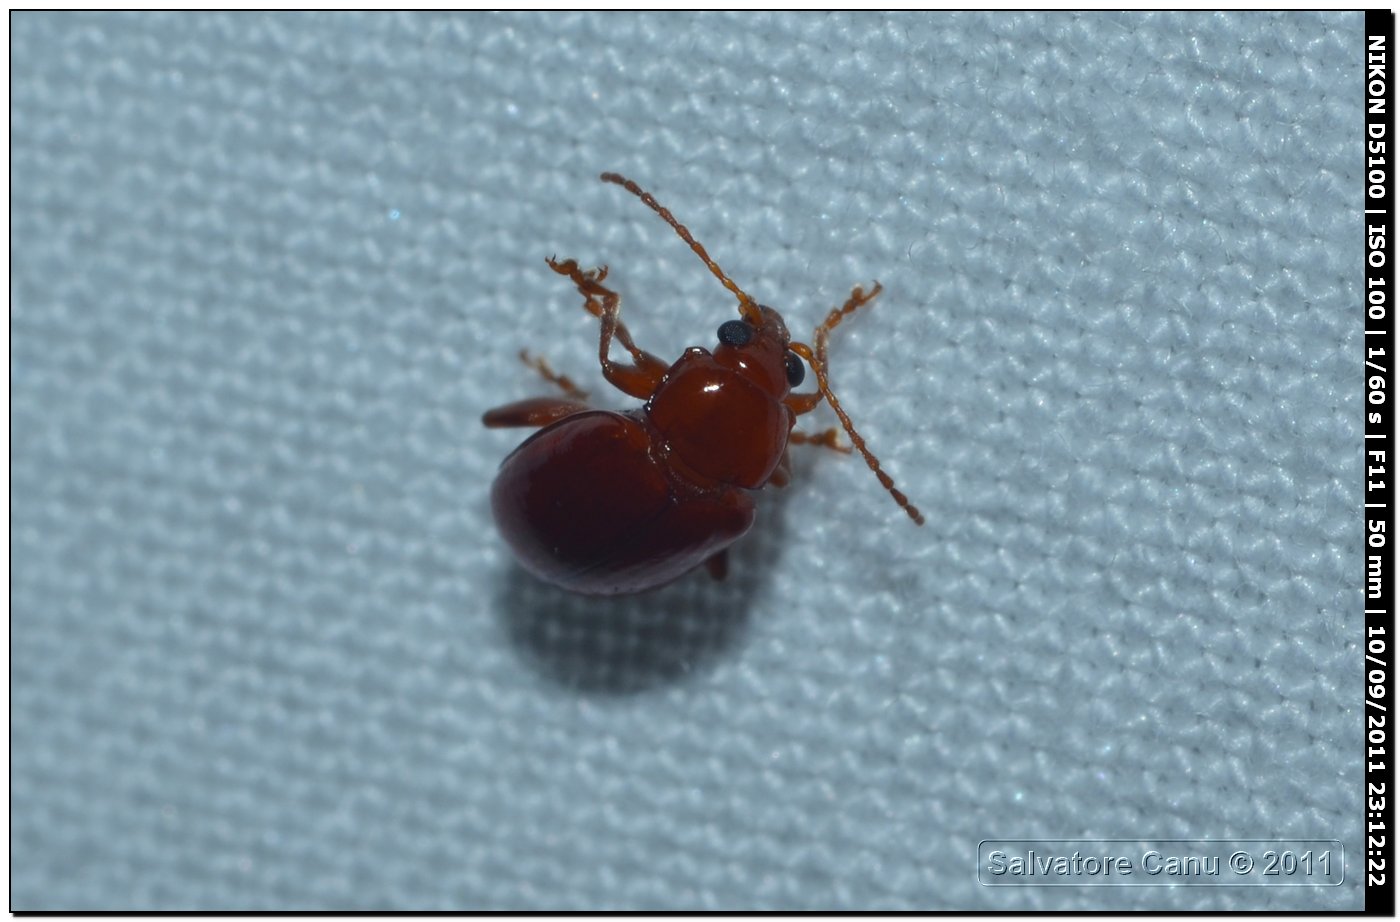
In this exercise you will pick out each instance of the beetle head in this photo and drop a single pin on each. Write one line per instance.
(759, 350)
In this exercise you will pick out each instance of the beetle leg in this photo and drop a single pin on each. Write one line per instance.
(859, 297)
(818, 360)
(563, 382)
(805, 403)
(782, 474)
(802, 403)
(534, 411)
(643, 377)
(827, 439)
(718, 565)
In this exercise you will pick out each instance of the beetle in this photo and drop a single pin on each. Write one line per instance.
(604, 502)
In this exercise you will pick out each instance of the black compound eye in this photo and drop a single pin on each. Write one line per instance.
(795, 371)
(735, 333)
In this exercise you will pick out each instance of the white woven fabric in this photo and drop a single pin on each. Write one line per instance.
(269, 270)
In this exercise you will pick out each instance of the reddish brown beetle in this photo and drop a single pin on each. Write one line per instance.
(605, 502)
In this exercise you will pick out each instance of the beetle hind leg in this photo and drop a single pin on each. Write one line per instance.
(539, 411)
(533, 411)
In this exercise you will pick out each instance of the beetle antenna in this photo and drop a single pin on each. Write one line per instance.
(748, 307)
(824, 386)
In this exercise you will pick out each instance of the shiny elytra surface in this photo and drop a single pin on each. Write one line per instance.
(585, 504)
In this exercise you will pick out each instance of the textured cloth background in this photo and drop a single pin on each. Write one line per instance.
(268, 271)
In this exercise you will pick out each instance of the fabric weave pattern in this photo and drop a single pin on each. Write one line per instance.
(268, 270)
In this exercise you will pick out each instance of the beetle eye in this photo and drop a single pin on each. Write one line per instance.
(795, 371)
(735, 333)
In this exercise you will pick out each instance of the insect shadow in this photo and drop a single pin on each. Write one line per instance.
(630, 644)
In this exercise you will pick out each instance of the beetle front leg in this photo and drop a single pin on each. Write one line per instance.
(805, 403)
(643, 377)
